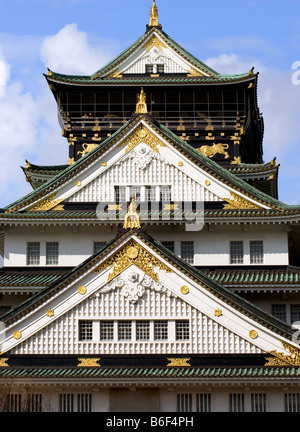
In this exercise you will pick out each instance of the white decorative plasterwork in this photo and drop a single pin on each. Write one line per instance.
(133, 286)
(142, 156)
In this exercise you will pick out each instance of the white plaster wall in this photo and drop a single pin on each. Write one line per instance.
(211, 247)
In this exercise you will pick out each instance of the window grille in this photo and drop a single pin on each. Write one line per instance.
(150, 193)
(256, 252)
(106, 330)
(292, 402)
(165, 193)
(160, 330)
(258, 402)
(236, 252)
(187, 251)
(149, 69)
(184, 402)
(203, 402)
(279, 311)
(67, 402)
(34, 403)
(236, 402)
(84, 402)
(169, 245)
(98, 246)
(160, 68)
(124, 330)
(135, 191)
(14, 402)
(295, 313)
(120, 193)
(52, 253)
(33, 253)
(4, 310)
(182, 330)
(142, 330)
(85, 330)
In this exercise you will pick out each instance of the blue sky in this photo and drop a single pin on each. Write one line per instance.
(80, 36)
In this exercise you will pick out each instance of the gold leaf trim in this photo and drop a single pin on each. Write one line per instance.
(139, 135)
(88, 362)
(281, 359)
(132, 253)
(175, 362)
(239, 202)
(47, 203)
(3, 362)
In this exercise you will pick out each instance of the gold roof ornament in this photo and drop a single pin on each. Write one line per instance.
(132, 219)
(153, 22)
(141, 106)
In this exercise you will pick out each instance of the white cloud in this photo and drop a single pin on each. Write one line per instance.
(70, 52)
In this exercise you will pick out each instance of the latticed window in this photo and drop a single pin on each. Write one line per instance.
(169, 245)
(66, 402)
(203, 402)
(33, 253)
(279, 311)
(106, 330)
(149, 69)
(85, 330)
(135, 191)
(182, 330)
(98, 246)
(165, 193)
(120, 193)
(52, 253)
(184, 402)
(236, 252)
(84, 402)
(256, 252)
(142, 330)
(150, 193)
(14, 403)
(295, 313)
(258, 402)
(160, 68)
(160, 330)
(124, 330)
(236, 402)
(34, 403)
(292, 402)
(187, 251)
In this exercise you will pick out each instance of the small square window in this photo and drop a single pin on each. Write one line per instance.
(106, 330)
(160, 68)
(184, 402)
(279, 311)
(33, 253)
(85, 330)
(52, 253)
(150, 193)
(295, 313)
(236, 402)
(135, 191)
(165, 193)
(236, 252)
(98, 246)
(161, 330)
(149, 69)
(142, 330)
(182, 330)
(169, 245)
(124, 330)
(258, 402)
(187, 251)
(120, 193)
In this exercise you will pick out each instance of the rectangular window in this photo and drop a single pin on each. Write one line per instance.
(124, 330)
(142, 330)
(135, 191)
(187, 251)
(84, 402)
(184, 402)
(106, 330)
(292, 402)
(149, 68)
(236, 252)
(66, 403)
(4, 310)
(295, 313)
(203, 402)
(165, 193)
(150, 193)
(258, 402)
(182, 330)
(52, 253)
(14, 403)
(33, 253)
(161, 330)
(256, 252)
(34, 403)
(160, 68)
(120, 193)
(279, 311)
(85, 330)
(236, 402)
(169, 245)
(98, 246)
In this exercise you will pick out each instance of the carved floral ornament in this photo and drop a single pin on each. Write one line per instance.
(281, 359)
(141, 134)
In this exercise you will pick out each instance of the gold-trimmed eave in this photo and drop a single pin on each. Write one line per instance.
(282, 359)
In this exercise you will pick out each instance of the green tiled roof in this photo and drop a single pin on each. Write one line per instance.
(159, 373)
(25, 278)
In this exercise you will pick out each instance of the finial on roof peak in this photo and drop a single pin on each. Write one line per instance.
(153, 22)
